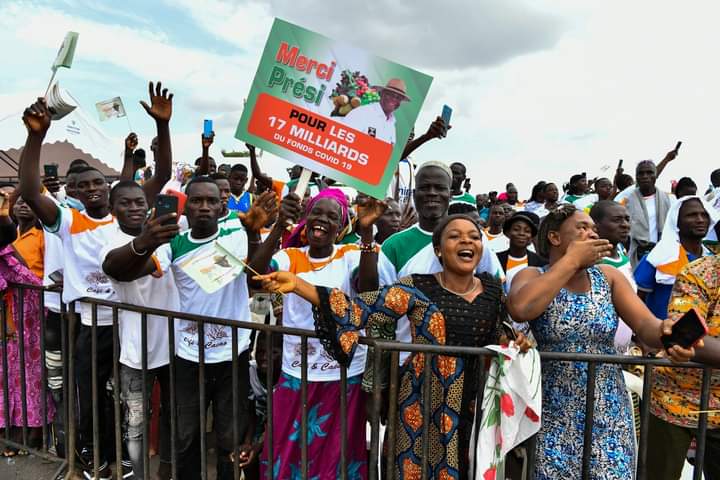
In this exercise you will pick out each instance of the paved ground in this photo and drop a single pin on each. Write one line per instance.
(27, 468)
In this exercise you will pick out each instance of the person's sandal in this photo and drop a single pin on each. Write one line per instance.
(9, 452)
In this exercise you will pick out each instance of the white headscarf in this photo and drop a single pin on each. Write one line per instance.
(668, 256)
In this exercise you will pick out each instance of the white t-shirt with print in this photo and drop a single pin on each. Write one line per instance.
(335, 271)
(230, 302)
(149, 291)
(82, 272)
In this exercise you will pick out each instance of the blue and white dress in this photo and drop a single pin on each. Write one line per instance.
(582, 322)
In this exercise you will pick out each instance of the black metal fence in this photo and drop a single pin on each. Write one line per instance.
(68, 413)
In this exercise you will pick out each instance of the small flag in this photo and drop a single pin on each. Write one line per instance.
(67, 51)
(112, 108)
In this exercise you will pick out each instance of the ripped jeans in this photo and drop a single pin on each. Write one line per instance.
(133, 419)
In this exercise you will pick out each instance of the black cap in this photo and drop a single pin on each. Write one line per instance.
(528, 217)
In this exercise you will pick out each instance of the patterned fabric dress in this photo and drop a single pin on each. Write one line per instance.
(582, 322)
(437, 317)
(11, 270)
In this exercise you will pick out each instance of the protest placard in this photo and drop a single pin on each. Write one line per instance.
(332, 108)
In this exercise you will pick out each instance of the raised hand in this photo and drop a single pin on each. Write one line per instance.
(263, 209)
(369, 210)
(154, 233)
(160, 107)
(207, 141)
(588, 252)
(131, 142)
(37, 117)
(290, 210)
(52, 184)
(280, 282)
(438, 129)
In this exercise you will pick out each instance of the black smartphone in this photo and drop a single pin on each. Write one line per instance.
(51, 170)
(687, 331)
(620, 162)
(165, 204)
(677, 146)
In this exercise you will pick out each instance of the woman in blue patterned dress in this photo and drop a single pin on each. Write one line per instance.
(573, 306)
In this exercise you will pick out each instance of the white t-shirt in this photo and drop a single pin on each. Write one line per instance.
(52, 262)
(335, 271)
(149, 291)
(497, 243)
(371, 120)
(652, 217)
(586, 202)
(230, 302)
(82, 273)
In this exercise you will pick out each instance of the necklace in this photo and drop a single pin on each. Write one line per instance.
(442, 284)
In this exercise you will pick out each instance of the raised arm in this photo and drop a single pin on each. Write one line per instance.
(37, 121)
(160, 109)
(531, 293)
(669, 157)
(259, 176)
(437, 129)
(290, 211)
(368, 212)
(262, 210)
(204, 167)
(128, 168)
(134, 260)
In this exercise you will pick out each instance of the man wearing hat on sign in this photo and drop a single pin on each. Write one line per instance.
(378, 119)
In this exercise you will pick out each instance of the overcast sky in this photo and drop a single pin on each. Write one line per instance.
(540, 89)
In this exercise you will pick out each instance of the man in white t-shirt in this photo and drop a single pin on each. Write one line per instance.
(378, 119)
(82, 274)
(130, 208)
(156, 251)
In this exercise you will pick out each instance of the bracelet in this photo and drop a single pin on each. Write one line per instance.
(132, 248)
(368, 247)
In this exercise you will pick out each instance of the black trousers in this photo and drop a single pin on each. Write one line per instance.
(218, 390)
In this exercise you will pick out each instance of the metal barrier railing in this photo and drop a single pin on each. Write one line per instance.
(380, 347)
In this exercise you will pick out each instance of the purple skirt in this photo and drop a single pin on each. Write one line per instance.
(323, 432)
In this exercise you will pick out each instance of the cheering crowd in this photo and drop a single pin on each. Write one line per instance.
(604, 268)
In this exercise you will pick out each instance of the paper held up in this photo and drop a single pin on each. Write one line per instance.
(112, 108)
(57, 105)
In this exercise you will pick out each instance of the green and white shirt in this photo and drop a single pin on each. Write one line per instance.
(622, 263)
(467, 198)
(411, 252)
(230, 302)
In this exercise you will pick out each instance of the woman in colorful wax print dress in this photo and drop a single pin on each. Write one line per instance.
(573, 306)
(452, 307)
(312, 253)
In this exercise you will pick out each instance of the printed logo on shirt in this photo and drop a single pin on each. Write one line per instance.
(371, 131)
(215, 335)
(330, 363)
(98, 282)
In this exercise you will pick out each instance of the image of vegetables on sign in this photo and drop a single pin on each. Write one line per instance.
(332, 108)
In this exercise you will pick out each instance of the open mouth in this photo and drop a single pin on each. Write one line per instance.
(466, 254)
(319, 231)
